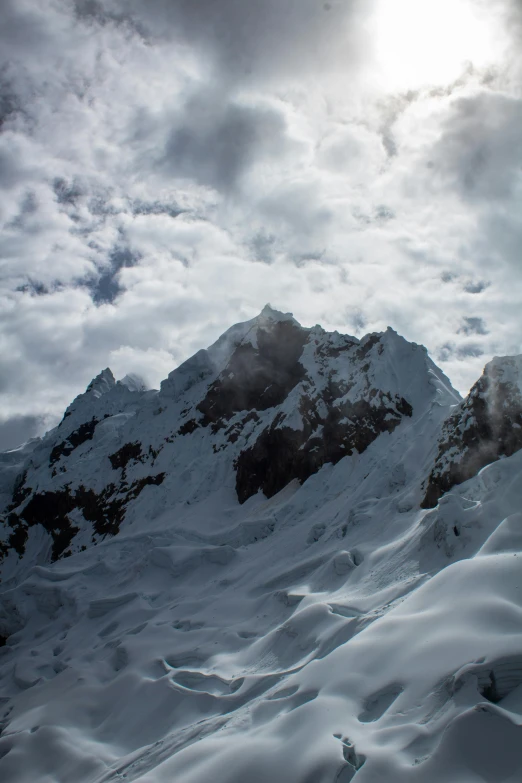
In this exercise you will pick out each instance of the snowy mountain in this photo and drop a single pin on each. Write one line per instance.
(297, 561)
(486, 427)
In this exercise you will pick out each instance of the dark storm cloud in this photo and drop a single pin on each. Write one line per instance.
(9, 101)
(96, 11)
(17, 430)
(258, 37)
(140, 207)
(513, 15)
(469, 351)
(33, 288)
(217, 141)
(263, 247)
(469, 286)
(356, 320)
(67, 192)
(480, 152)
(476, 286)
(479, 158)
(107, 287)
(28, 207)
(473, 325)
(11, 171)
(450, 351)
(22, 28)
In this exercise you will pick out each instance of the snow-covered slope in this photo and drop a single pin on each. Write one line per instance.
(232, 579)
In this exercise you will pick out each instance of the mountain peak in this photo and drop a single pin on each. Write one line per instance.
(102, 383)
(268, 313)
(506, 370)
(133, 382)
(485, 427)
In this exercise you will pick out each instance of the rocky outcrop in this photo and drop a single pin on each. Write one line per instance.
(281, 454)
(484, 428)
(258, 376)
(121, 458)
(84, 433)
(52, 510)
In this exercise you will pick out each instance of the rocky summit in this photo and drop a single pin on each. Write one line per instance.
(296, 561)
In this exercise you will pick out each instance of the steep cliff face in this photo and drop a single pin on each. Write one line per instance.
(43, 496)
(268, 403)
(485, 427)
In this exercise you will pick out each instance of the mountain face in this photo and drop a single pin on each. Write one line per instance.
(486, 427)
(296, 561)
(268, 403)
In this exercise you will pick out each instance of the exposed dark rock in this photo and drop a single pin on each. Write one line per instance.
(233, 432)
(84, 433)
(257, 378)
(281, 454)
(327, 351)
(18, 538)
(147, 481)
(189, 427)
(486, 426)
(123, 456)
(336, 389)
(105, 511)
(106, 514)
(367, 345)
(50, 509)
(20, 492)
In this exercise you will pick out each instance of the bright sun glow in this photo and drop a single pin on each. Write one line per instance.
(421, 42)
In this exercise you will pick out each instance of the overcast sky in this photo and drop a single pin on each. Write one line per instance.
(167, 167)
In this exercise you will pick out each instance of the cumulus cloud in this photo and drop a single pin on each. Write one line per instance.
(480, 150)
(217, 140)
(472, 325)
(156, 157)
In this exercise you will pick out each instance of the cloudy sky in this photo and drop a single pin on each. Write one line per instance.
(167, 167)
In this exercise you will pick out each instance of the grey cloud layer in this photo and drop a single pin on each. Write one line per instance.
(252, 40)
(481, 146)
(217, 140)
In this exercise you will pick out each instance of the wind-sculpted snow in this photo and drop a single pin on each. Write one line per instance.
(334, 631)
